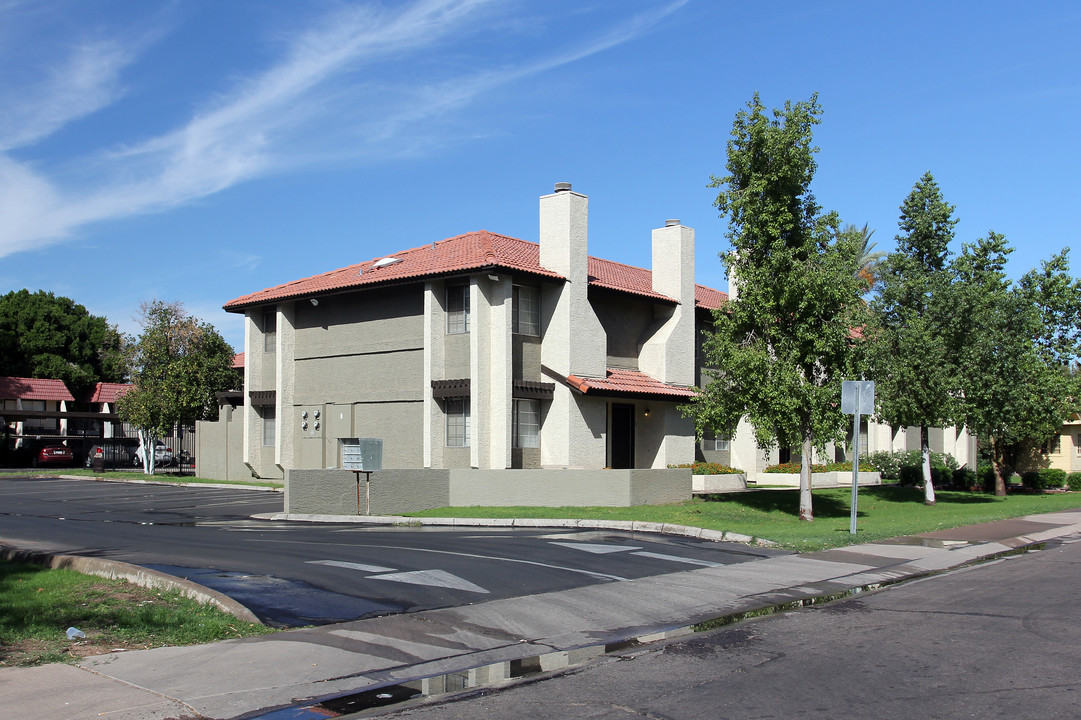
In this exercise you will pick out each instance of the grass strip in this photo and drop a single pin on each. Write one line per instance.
(38, 605)
(883, 512)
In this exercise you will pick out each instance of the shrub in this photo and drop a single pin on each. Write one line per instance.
(844, 466)
(1073, 481)
(704, 468)
(1046, 479)
(906, 466)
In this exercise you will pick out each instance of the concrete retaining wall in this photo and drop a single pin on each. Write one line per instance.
(841, 478)
(391, 492)
(706, 484)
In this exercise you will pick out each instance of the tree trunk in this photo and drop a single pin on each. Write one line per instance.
(147, 439)
(928, 485)
(998, 463)
(805, 511)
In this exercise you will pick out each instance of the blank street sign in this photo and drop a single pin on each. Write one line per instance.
(865, 389)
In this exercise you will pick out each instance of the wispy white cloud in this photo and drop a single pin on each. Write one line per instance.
(86, 81)
(268, 122)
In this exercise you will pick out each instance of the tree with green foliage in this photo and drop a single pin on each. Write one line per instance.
(177, 365)
(780, 347)
(1018, 346)
(46, 336)
(914, 368)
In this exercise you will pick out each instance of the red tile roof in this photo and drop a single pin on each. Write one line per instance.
(238, 361)
(629, 382)
(17, 388)
(472, 251)
(108, 392)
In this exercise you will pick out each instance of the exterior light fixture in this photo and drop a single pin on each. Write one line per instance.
(646, 413)
(315, 302)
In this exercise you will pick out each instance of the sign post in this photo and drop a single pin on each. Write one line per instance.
(857, 398)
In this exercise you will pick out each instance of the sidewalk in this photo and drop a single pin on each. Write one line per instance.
(300, 672)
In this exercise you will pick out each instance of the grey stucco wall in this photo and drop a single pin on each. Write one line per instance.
(626, 321)
(555, 488)
(219, 447)
(334, 492)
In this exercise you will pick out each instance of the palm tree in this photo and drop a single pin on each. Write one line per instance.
(869, 258)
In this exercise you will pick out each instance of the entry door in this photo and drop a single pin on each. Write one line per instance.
(622, 436)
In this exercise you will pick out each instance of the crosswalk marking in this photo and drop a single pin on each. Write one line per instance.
(598, 548)
(352, 566)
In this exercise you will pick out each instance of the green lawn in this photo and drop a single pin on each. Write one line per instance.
(38, 605)
(884, 511)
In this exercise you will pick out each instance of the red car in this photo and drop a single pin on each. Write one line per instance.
(54, 455)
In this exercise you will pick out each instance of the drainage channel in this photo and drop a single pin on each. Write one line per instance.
(490, 675)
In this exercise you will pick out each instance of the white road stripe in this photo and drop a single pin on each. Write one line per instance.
(598, 548)
(431, 578)
(676, 558)
(352, 566)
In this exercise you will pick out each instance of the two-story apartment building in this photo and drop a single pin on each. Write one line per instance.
(491, 352)
(480, 351)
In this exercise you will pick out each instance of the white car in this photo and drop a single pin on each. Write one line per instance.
(163, 456)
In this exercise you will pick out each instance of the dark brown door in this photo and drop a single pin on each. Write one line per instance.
(622, 436)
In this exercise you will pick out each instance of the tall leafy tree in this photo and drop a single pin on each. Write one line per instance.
(177, 365)
(915, 372)
(780, 347)
(1017, 344)
(43, 335)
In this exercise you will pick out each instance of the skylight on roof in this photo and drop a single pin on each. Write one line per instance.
(385, 262)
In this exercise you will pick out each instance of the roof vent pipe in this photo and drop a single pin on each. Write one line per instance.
(671, 223)
(563, 187)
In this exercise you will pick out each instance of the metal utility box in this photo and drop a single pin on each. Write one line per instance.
(364, 454)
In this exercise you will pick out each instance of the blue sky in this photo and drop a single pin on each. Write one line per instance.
(199, 150)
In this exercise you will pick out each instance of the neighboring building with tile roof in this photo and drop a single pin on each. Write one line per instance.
(480, 350)
(34, 395)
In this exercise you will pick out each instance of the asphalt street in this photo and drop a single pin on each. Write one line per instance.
(292, 574)
(998, 640)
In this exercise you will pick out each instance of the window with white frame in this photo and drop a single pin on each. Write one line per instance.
(1077, 444)
(457, 412)
(457, 309)
(715, 443)
(270, 425)
(1052, 446)
(270, 331)
(526, 311)
(525, 430)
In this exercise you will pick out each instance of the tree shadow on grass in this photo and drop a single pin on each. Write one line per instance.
(836, 505)
(786, 502)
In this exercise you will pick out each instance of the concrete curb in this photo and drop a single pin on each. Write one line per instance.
(144, 577)
(626, 525)
(174, 483)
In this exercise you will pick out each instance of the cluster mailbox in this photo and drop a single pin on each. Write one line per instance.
(363, 454)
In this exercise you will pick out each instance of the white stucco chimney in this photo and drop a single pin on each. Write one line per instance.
(668, 355)
(574, 341)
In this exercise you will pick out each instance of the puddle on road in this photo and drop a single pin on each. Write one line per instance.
(490, 675)
(295, 603)
(916, 541)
